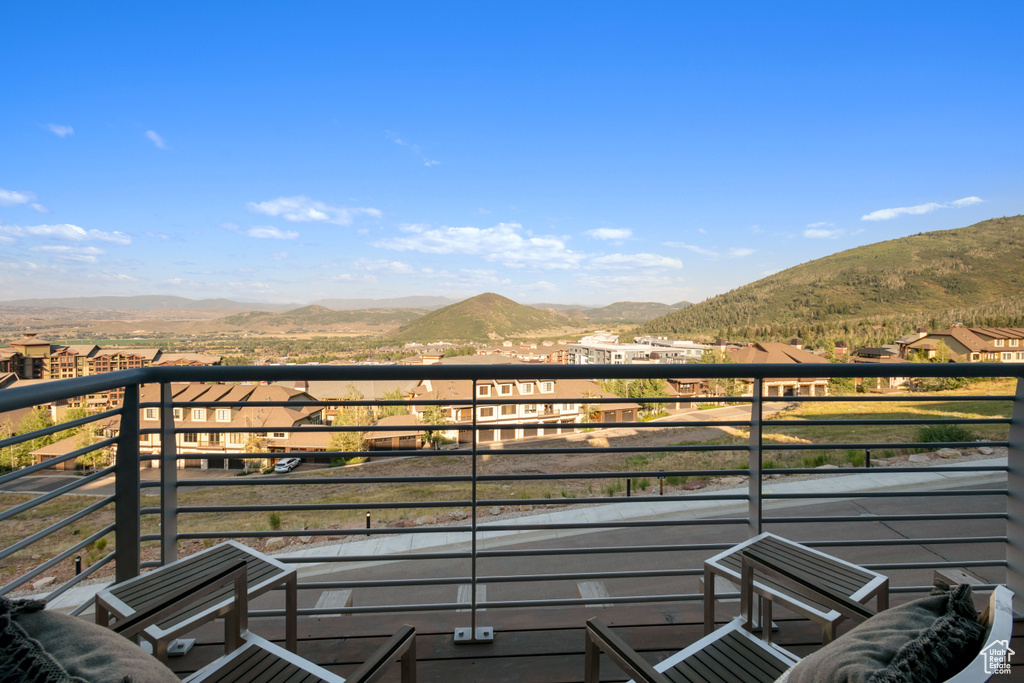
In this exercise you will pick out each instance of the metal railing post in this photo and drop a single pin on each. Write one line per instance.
(168, 478)
(127, 510)
(1015, 500)
(473, 634)
(754, 508)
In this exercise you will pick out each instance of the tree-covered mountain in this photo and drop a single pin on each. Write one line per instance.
(487, 316)
(973, 274)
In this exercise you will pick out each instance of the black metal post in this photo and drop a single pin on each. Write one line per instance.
(78, 565)
(128, 555)
(867, 457)
(629, 482)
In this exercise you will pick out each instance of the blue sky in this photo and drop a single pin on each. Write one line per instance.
(551, 152)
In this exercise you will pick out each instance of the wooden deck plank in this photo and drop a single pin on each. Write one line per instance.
(541, 646)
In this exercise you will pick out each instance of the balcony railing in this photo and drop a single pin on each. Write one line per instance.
(442, 533)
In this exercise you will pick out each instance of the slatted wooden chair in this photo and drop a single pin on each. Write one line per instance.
(732, 654)
(249, 658)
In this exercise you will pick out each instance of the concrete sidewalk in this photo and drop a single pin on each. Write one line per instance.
(391, 547)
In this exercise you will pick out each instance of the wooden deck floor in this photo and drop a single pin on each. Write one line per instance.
(536, 646)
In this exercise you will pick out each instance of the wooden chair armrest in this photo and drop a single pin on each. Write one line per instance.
(401, 644)
(600, 639)
(182, 598)
(754, 561)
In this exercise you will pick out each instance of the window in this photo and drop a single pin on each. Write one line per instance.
(1020, 355)
(190, 438)
(487, 412)
(1014, 342)
(530, 408)
(1007, 355)
(213, 439)
(278, 435)
(179, 414)
(525, 389)
(150, 414)
(199, 414)
(236, 439)
(483, 390)
(998, 342)
(547, 387)
(505, 389)
(223, 414)
(508, 410)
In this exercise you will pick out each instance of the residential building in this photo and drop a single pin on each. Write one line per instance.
(673, 350)
(777, 352)
(602, 353)
(971, 344)
(554, 407)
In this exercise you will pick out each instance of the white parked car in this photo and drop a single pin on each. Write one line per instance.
(287, 464)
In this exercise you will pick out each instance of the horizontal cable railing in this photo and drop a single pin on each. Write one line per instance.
(452, 512)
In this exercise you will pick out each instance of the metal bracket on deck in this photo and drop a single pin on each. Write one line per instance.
(465, 636)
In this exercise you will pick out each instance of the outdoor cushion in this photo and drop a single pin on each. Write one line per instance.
(921, 641)
(58, 648)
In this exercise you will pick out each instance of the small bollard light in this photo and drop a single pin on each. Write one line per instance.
(78, 565)
(661, 483)
(867, 457)
(629, 483)
(367, 520)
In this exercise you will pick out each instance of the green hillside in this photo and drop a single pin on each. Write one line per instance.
(487, 316)
(974, 274)
(317, 318)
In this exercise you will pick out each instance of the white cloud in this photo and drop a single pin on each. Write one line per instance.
(66, 231)
(503, 243)
(822, 234)
(115, 277)
(269, 232)
(820, 224)
(383, 266)
(60, 131)
(395, 138)
(710, 253)
(887, 214)
(13, 198)
(39, 207)
(73, 254)
(610, 233)
(155, 138)
(158, 235)
(632, 261)
(740, 252)
(302, 209)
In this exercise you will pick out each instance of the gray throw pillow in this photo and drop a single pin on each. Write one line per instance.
(918, 642)
(91, 652)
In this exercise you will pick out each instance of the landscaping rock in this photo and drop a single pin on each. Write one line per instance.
(305, 539)
(919, 457)
(400, 523)
(731, 481)
(276, 543)
(43, 583)
(458, 514)
(947, 453)
(495, 510)
(827, 467)
(525, 508)
(985, 450)
(694, 485)
(423, 521)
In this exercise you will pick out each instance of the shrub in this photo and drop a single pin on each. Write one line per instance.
(945, 434)
(643, 484)
(275, 521)
(816, 460)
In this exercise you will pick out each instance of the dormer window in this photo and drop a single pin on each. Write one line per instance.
(1014, 342)
(505, 389)
(150, 414)
(483, 390)
(547, 387)
(199, 414)
(998, 342)
(223, 414)
(525, 389)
